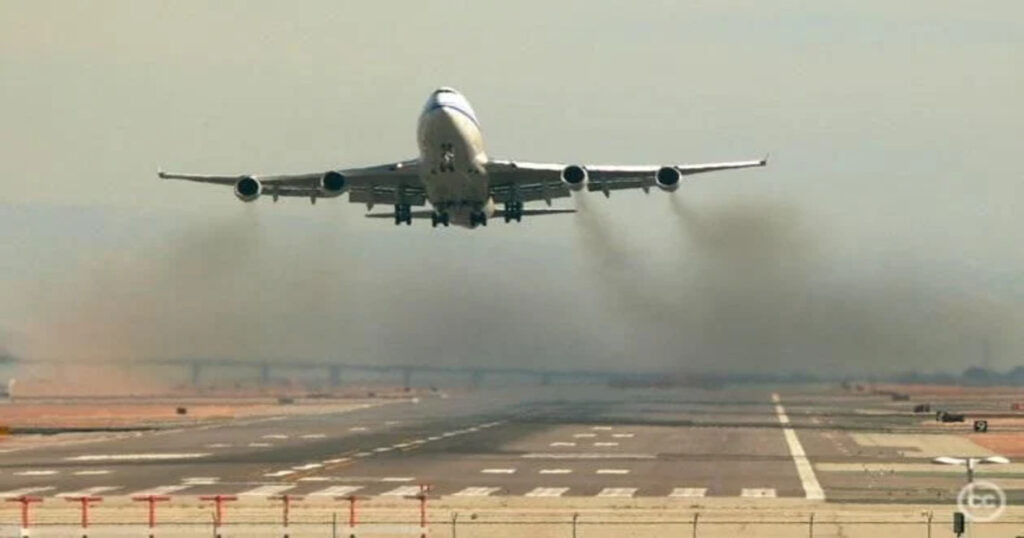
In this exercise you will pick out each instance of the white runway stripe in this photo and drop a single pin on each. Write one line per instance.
(36, 472)
(91, 472)
(606, 443)
(25, 491)
(758, 492)
(586, 456)
(403, 491)
(336, 491)
(160, 490)
(314, 436)
(279, 474)
(689, 492)
(555, 471)
(622, 435)
(139, 457)
(546, 492)
(498, 471)
(563, 443)
(88, 492)
(601, 428)
(812, 488)
(476, 492)
(613, 471)
(585, 435)
(397, 479)
(617, 492)
(267, 491)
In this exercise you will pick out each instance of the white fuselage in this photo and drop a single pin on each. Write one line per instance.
(452, 157)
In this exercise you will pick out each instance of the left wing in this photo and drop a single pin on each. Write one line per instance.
(394, 183)
(525, 182)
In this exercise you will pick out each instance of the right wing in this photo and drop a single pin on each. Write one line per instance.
(395, 183)
(526, 181)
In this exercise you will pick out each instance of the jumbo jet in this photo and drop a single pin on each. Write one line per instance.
(454, 175)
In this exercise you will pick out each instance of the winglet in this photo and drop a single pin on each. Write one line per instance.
(161, 174)
(764, 161)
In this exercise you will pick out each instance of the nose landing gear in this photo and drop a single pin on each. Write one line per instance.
(477, 218)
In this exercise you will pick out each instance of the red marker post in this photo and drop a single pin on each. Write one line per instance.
(351, 513)
(424, 489)
(219, 501)
(152, 500)
(26, 502)
(85, 501)
(287, 500)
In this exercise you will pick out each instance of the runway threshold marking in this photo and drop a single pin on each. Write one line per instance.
(266, 491)
(546, 492)
(336, 491)
(688, 492)
(88, 492)
(476, 492)
(160, 490)
(617, 492)
(139, 457)
(402, 491)
(25, 491)
(812, 488)
(761, 493)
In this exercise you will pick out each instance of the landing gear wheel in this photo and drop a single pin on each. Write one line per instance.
(477, 219)
(439, 218)
(403, 213)
(514, 210)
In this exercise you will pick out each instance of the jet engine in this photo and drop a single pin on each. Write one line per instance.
(575, 177)
(333, 183)
(667, 178)
(248, 189)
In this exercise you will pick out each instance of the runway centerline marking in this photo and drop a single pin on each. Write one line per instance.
(688, 492)
(586, 456)
(617, 492)
(260, 445)
(307, 467)
(314, 436)
(397, 479)
(274, 436)
(498, 471)
(601, 428)
(623, 435)
(584, 435)
(606, 443)
(812, 488)
(613, 471)
(555, 471)
(563, 443)
(91, 472)
(36, 472)
(279, 474)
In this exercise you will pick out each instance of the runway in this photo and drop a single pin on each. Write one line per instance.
(522, 442)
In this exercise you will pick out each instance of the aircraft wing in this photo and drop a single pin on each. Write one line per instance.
(392, 183)
(526, 181)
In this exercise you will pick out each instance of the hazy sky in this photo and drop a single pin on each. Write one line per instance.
(886, 233)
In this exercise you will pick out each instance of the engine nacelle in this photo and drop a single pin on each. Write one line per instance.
(248, 189)
(667, 178)
(333, 183)
(575, 177)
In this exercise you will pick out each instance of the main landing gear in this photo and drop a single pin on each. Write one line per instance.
(440, 218)
(478, 218)
(514, 211)
(403, 213)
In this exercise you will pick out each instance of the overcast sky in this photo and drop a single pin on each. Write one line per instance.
(885, 234)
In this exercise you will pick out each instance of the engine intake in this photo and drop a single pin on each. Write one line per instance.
(248, 189)
(667, 178)
(333, 183)
(575, 177)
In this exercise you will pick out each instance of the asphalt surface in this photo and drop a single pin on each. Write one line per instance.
(545, 441)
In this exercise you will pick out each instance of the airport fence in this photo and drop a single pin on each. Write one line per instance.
(462, 525)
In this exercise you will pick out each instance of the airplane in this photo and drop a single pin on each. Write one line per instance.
(455, 176)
